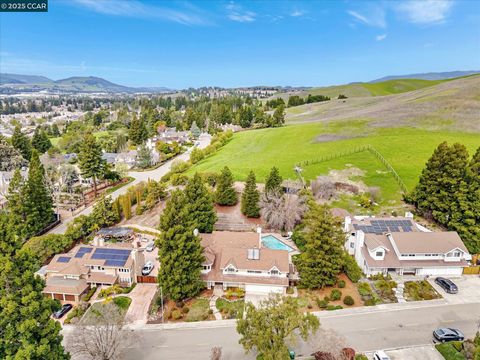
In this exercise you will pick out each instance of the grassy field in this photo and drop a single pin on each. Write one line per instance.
(406, 149)
(368, 89)
(97, 135)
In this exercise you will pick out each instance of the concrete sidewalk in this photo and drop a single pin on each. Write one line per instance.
(420, 352)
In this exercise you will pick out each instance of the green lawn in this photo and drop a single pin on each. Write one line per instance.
(406, 149)
(230, 309)
(449, 352)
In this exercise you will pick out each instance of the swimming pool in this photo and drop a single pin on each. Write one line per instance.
(272, 242)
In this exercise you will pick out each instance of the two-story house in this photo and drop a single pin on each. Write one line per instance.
(382, 245)
(68, 276)
(238, 259)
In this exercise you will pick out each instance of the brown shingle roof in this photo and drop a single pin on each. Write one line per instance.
(97, 277)
(428, 242)
(268, 259)
(60, 285)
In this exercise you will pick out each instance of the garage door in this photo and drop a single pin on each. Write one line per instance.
(58, 296)
(70, 297)
(455, 271)
(264, 289)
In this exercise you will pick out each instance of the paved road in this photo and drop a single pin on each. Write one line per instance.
(139, 176)
(380, 329)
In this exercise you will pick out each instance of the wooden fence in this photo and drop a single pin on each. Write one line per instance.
(471, 270)
(146, 279)
(356, 150)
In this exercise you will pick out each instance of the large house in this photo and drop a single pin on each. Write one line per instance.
(383, 245)
(69, 276)
(239, 259)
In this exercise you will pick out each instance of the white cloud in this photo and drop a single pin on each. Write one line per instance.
(426, 11)
(375, 17)
(237, 13)
(381, 37)
(297, 13)
(134, 8)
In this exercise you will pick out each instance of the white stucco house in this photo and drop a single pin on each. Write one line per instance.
(382, 245)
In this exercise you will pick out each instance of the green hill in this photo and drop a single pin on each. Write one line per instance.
(366, 89)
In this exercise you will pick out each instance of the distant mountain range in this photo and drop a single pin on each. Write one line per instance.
(16, 83)
(429, 76)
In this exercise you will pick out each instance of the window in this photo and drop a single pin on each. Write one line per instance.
(352, 245)
(379, 253)
(254, 271)
(230, 269)
(274, 272)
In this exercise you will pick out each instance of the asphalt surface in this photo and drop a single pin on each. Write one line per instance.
(379, 329)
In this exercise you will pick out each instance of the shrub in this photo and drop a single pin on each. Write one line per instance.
(351, 268)
(364, 289)
(179, 179)
(90, 293)
(179, 304)
(334, 307)
(176, 314)
(327, 299)
(309, 306)
(290, 290)
(348, 300)
(185, 310)
(361, 357)
(322, 304)
(341, 284)
(335, 295)
(122, 302)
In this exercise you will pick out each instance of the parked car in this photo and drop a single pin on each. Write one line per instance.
(65, 308)
(150, 247)
(448, 334)
(147, 268)
(380, 355)
(447, 285)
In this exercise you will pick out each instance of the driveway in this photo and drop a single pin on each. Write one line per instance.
(141, 296)
(468, 289)
(427, 352)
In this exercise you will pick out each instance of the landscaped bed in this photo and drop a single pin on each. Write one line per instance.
(451, 350)
(420, 290)
(121, 302)
(230, 309)
(343, 295)
(196, 309)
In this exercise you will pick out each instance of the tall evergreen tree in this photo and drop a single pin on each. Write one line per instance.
(200, 205)
(278, 118)
(21, 142)
(38, 199)
(466, 214)
(179, 250)
(251, 197)
(40, 141)
(225, 193)
(138, 132)
(26, 329)
(322, 258)
(144, 157)
(16, 203)
(273, 182)
(195, 130)
(104, 214)
(440, 182)
(90, 160)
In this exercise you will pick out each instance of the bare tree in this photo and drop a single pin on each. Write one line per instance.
(282, 211)
(101, 335)
(330, 346)
(323, 188)
(216, 353)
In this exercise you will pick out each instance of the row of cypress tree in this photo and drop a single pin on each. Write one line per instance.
(448, 192)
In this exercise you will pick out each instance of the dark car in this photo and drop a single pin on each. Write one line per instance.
(448, 334)
(65, 308)
(447, 285)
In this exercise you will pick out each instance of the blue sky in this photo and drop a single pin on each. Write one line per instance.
(241, 43)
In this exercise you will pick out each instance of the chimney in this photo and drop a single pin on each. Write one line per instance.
(408, 215)
(348, 222)
(359, 243)
(259, 232)
(95, 241)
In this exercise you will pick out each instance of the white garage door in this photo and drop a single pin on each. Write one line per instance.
(264, 289)
(441, 271)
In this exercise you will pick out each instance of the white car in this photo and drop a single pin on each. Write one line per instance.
(150, 247)
(380, 355)
(147, 268)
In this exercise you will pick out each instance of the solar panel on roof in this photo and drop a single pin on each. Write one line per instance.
(115, 262)
(63, 259)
